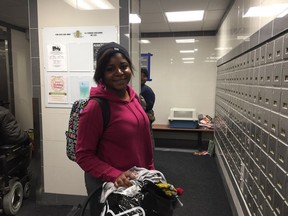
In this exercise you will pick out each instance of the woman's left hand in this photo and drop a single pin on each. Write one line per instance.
(124, 179)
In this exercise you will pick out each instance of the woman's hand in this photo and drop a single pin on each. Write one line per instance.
(124, 179)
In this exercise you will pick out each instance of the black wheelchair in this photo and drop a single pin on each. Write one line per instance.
(14, 176)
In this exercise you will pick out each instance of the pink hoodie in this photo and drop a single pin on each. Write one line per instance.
(125, 143)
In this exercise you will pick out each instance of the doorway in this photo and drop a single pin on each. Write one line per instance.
(5, 89)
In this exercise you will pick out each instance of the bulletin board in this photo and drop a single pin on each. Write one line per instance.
(70, 60)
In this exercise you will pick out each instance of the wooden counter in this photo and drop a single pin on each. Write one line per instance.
(162, 128)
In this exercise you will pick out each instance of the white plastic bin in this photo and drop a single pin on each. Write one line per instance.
(183, 118)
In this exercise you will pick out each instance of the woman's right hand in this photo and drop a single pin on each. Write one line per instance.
(123, 180)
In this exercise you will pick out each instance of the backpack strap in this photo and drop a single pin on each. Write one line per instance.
(105, 108)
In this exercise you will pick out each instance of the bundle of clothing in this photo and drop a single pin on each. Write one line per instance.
(150, 195)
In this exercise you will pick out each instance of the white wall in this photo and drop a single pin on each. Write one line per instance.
(182, 85)
(22, 79)
(62, 176)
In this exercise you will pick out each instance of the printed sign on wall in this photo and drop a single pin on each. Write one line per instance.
(57, 89)
(57, 57)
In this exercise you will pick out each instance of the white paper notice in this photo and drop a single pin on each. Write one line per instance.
(79, 57)
(57, 58)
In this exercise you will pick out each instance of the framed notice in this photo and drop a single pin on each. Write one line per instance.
(70, 61)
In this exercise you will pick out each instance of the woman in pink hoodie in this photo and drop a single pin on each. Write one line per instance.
(126, 142)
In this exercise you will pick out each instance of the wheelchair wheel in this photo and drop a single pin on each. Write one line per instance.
(12, 201)
(27, 189)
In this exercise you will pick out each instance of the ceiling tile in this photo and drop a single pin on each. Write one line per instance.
(214, 15)
(183, 5)
(155, 27)
(150, 6)
(153, 18)
(218, 4)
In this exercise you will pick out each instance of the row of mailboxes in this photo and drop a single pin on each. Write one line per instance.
(271, 184)
(276, 149)
(251, 118)
(265, 197)
(275, 74)
(272, 51)
(270, 98)
(251, 123)
(263, 177)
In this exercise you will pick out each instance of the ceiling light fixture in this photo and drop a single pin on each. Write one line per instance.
(267, 11)
(185, 16)
(134, 18)
(223, 48)
(188, 62)
(283, 13)
(187, 51)
(243, 37)
(185, 40)
(185, 59)
(90, 4)
(144, 41)
(210, 61)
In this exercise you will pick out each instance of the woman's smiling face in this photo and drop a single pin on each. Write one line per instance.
(118, 73)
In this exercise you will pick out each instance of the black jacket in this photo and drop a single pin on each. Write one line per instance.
(10, 131)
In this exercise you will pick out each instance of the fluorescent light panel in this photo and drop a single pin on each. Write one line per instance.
(90, 4)
(185, 59)
(267, 11)
(242, 37)
(144, 41)
(283, 13)
(185, 16)
(187, 51)
(223, 48)
(134, 18)
(185, 40)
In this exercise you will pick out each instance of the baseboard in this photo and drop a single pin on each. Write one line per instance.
(236, 200)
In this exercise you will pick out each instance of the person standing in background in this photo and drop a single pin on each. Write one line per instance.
(148, 95)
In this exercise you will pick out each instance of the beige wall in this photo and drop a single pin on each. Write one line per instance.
(182, 85)
(62, 176)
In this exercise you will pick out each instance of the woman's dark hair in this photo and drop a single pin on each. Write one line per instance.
(103, 60)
